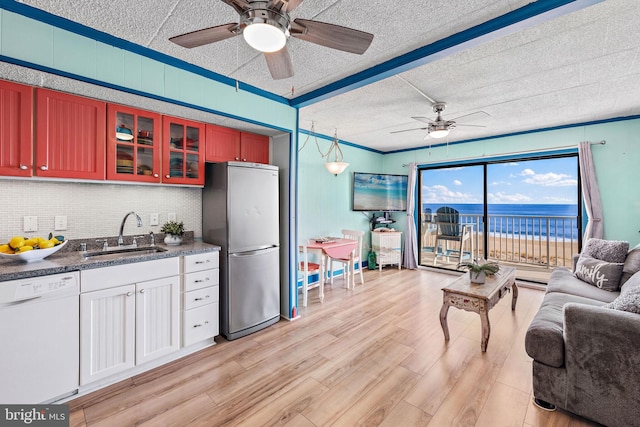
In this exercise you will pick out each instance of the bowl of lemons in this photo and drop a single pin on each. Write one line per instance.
(31, 248)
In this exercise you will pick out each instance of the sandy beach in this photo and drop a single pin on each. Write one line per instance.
(554, 253)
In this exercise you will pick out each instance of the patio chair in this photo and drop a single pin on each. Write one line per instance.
(449, 229)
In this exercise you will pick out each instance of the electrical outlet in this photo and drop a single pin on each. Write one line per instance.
(153, 219)
(171, 216)
(30, 223)
(60, 222)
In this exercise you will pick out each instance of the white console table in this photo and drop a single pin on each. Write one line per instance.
(388, 247)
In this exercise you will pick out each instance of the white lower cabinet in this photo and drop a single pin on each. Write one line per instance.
(157, 318)
(200, 298)
(107, 328)
(129, 315)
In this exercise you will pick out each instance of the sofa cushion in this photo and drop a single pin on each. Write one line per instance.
(605, 275)
(631, 265)
(564, 281)
(544, 340)
(629, 299)
(606, 250)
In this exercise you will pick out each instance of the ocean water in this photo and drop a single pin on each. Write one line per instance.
(526, 219)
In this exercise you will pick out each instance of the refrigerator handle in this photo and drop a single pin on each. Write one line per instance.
(256, 252)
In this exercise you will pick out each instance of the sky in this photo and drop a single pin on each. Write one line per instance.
(549, 181)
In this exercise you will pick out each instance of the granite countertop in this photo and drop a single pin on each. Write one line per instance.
(73, 260)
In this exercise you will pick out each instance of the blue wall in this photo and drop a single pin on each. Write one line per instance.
(324, 200)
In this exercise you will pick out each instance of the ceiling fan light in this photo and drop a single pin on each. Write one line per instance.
(438, 133)
(264, 37)
(336, 168)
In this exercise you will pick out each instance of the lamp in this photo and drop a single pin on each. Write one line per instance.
(438, 131)
(337, 166)
(265, 30)
(264, 37)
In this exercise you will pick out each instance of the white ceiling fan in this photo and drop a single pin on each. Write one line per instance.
(439, 128)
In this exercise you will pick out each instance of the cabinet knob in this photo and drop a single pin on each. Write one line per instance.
(155, 175)
(167, 176)
(237, 158)
(24, 167)
(129, 294)
(142, 291)
(44, 168)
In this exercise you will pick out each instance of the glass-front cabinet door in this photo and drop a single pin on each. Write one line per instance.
(134, 150)
(183, 158)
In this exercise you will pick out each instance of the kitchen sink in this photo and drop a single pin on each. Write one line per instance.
(141, 250)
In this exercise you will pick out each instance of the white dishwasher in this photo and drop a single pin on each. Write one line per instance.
(39, 332)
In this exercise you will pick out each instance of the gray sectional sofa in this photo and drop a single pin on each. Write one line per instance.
(585, 338)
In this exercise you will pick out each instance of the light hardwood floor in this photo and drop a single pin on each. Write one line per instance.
(370, 356)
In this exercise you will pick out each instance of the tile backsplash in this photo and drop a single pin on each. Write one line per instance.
(94, 209)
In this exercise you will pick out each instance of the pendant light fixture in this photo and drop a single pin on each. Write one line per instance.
(337, 166)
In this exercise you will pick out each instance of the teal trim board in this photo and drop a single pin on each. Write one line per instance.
(340, 141)
(136, 92)
(525, 132)
(525, 17)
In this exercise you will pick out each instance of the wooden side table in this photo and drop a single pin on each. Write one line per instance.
(464, 295)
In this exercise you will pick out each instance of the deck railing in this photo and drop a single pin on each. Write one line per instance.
(542, 241)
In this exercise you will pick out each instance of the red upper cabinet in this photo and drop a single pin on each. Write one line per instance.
(182, 156)
(222, 144)
(70, 136)
(16, 129)
(254, 148)
(134, 144)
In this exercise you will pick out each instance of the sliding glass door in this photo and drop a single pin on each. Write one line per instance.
(452, 212)
(523, 213)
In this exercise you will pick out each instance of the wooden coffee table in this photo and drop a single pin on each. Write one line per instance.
(463, 294)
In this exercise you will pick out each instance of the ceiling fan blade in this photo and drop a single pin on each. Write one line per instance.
(331, 35)
(473, 126)
(478, 115)
(205, 36)
(288, 5)
(423, 119)
(279, 64)
(407, 130)
(239, 5)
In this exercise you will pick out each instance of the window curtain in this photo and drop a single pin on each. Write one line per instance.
(590, 193)
(410, 240)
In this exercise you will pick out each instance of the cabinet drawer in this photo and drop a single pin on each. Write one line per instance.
(200, 297)
(199, 324)
(201, 279)
(118, 275)
(200, 262)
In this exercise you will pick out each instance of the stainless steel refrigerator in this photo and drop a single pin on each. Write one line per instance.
(240, 214)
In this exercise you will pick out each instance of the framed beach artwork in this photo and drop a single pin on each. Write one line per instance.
(379, 192)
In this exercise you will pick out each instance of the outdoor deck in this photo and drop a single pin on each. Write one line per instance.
(535, 245)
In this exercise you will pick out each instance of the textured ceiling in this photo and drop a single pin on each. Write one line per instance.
(575, 68)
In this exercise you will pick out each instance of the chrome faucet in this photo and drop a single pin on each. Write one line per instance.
(120, 239)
